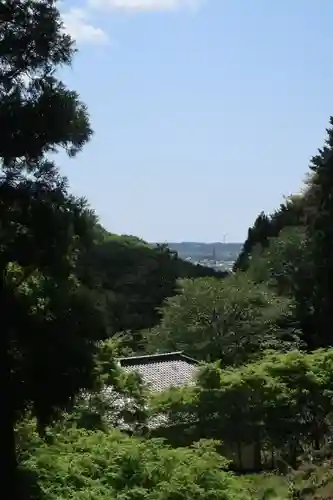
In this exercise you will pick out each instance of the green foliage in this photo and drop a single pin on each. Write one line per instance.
(258, 234)
(281, 262)
(319, 224)
(290, 214)
(38, 114)
(298, 261)
(118, 399)
(81, 465)
(230, 320)
(66, 285)
(131, 280)
(285, 266)
(309, 482)
(267, 486)
(49, 323)
(283, 400)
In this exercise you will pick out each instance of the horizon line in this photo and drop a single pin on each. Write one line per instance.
(200, 242)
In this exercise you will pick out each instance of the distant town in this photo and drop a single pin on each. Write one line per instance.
(219, 256)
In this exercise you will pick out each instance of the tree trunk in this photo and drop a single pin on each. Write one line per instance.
(8, 461)
(273, 461)
(240, 448)
(257, 449)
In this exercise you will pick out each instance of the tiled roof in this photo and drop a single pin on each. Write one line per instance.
(162, 371)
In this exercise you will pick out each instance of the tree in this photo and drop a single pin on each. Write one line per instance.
(258, 234)
(289, 214)
(132, 279)
(81, 464)
(282, 400)
(283, 262)
(286, 266)
(48, 323)
(230, 320)
(319, 229)
(118, 399)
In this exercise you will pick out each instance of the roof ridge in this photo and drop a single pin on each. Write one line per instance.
(154, 357)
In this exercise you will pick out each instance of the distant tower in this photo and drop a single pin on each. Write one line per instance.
(214, 254)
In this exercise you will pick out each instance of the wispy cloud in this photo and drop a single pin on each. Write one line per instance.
(143, 5)
(76, 23)
(77, 20)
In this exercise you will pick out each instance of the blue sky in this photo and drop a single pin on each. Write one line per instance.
(205, 112)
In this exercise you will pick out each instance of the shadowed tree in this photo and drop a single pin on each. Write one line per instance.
(319, 230)
(48, 323)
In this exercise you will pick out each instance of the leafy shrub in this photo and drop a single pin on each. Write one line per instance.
(82, 465)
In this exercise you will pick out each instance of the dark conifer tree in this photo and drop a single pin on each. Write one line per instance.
(319, 226)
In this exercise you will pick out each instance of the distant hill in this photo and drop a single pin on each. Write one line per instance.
(200, 251)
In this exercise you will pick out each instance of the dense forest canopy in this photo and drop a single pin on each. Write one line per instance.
(132, 279)
(75, 298)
